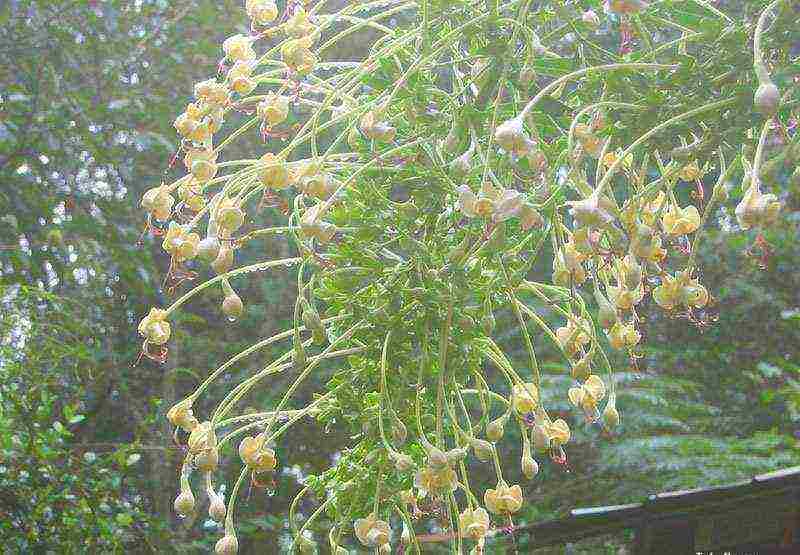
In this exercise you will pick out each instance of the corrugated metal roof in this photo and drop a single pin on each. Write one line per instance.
(700, 502)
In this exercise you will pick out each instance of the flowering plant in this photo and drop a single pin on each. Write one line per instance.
(421, 185)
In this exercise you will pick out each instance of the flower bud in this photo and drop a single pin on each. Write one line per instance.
(262, 12)
(184, 503)
(483, 449)
(202, 165)
(756, 208)
(313, 323)
(504, 499)
(623, 335)
(230, 218)
(305, 546)
(622, 7)
(530, 467)
(495, 429)
(474, 523)
(606, 314)
(216, 508)
(582, 368)
(275, 174)
(239, 77)
(529, 217)
(456, 455)
(227, 545)
(372, 532)
(450, 143)
(181, 415)
(233, 307)
(299, 355)
(524, 397)
(405, 536)
(767, 98)
(631, 272)
(353, 137)
(436, 457)
(158, 202)
(238, 48)
(402, 462)
(154, 327)
(462, 165)
(208, 249)
(611, 416)
(408, 497)
(510, 135)
(207, 460)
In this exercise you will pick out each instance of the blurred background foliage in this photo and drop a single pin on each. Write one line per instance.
(90, 90)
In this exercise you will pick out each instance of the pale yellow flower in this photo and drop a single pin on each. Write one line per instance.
(154, 327)
(587, 396)
(274, 173)
(623, 335)
(678, 221)
(525, 397)
(757, 209)
(274, 109)
(435, 481)
(180, 243)
(238, 48)
(372, 532)
(182, 416)
(256, 455)
(474, 523)
(504, 499)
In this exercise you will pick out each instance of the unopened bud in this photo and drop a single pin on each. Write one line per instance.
(767, 98)
(227, 545)
(405, 536)
(233, 307)
(208, 249)
(216, 509)
(530, 467)
(184, 503)
(526, 76)
(611, 414)
(495, 429)
(456, 455)
(462, 165)
(402, 462)
(436, 457)
(483, 449)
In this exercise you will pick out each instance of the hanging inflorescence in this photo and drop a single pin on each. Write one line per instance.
(422, 183)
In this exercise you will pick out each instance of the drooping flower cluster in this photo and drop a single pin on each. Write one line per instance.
(419, 193)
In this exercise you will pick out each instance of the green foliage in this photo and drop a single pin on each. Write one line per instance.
(57, 492)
